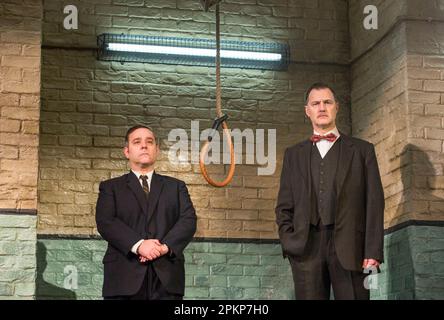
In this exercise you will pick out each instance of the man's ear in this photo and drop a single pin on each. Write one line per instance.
(125, 152)
(306, 112)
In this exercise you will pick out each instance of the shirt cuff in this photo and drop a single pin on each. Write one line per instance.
(136, 246)
(170, 252)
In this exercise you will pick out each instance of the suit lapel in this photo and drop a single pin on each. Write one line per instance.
(155, 190)
(305, 170)
(136, 188)
(345, 158)
(304, 164)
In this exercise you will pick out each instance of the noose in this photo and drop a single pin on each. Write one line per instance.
(221, 119)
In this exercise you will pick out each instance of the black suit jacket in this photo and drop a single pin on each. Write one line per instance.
(359, 216)
(123, 218)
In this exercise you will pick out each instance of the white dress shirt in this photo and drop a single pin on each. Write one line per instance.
(324, 145)
(150, 177)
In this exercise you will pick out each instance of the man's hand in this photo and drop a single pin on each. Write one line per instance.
(152, 250)
(149, 249)
(164, 249)
(370, 264)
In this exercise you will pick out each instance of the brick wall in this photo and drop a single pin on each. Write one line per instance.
(425, 77)
(87, 105)
(396, 98)
(379, 97)
(389, 14)
(19, 103)
(413, 268)
(237, 270)
(397, 89)
(20, 40)
(17, 256)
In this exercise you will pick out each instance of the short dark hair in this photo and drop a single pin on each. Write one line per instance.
(318, 86)
(134, 128)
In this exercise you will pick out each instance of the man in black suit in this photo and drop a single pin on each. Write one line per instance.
(147, 219)
(330, 206)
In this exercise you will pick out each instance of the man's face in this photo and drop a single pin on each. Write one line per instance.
(322, 108)
(142, 149)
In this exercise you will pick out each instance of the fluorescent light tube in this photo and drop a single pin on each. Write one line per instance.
(185, 51)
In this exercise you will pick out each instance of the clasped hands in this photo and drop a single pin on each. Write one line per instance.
(151, 249)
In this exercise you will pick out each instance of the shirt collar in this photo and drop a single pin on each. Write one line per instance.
(149, 174)
(335, 131)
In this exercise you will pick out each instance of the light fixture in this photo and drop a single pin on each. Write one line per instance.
(200, 52)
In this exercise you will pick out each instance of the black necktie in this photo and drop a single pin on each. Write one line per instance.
(145, 185)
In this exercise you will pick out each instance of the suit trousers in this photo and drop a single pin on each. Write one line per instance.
(319, 269)
(151, 289)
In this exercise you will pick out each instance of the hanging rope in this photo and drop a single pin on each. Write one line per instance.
(221, 119)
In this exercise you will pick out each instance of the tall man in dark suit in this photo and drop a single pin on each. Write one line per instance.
(330, 206)
(147, 219)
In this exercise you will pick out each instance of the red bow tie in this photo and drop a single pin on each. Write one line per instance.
(329, 137)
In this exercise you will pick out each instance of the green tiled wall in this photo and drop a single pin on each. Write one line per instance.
(214, 270)
(413, 268)
(17, 256)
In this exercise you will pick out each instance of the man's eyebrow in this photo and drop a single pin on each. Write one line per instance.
(322, 100)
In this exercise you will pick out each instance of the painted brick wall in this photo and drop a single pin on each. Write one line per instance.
(396, 101)
(239, 270)
(17, 256)
(379, 102)
(227, 270)
(20, 35)
(20, 53)
(425, 77)
(413, 268)
(397, 88)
